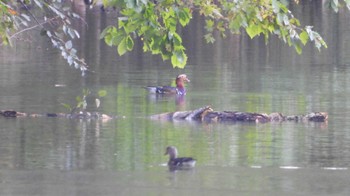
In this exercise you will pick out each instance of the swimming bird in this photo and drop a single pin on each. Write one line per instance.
(179, 89)
(178, 162)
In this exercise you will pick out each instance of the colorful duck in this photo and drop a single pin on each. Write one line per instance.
(178, 162)
(179, 89)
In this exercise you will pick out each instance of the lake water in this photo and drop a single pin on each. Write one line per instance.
(125, 156)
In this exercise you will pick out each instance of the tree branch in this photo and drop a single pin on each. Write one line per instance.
(32, 27)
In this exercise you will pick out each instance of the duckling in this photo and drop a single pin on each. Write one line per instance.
(178, 162)
(179, 89)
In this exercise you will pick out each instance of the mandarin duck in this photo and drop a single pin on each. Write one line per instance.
(179, 89)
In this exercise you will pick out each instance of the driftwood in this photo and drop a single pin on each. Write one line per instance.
(208, 115)
(79, 115)
(204, 114)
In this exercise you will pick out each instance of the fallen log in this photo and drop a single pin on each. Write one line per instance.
(204, 114)
(208, 115)
(78, 115)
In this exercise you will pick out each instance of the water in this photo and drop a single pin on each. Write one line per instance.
(208, 181)
(125, 156)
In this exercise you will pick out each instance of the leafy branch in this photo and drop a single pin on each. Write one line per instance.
(157, 24)
(55, 24)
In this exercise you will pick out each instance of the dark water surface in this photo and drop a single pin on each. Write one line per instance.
(125, 156)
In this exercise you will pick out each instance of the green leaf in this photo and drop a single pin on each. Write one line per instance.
(209, 25)
(113, 36)
(129, 43)
(122, 48)
(235, 24)
(155, 45)
(324, 44)
(289, 41)
(271, 28)
(166, 56)
(283, 7)
(78, 99)
(132, 26)
(106, 31)
(221, 26)
(209, 38)
(118, 37)
(86, 92)
(67, 106)
(294, 21)
(80, 104)
(298, 47)
(102, 93)
(304, 37)
(171, 23)
(184, 16)
(253, 30)
(177, 40)
(135, 5)
(179, 59)
(108, 40)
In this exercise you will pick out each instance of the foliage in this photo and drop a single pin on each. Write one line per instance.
(11, 19)
(55, 22)
(157, 23)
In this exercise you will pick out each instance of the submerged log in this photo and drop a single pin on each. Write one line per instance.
(208, 115)
(204, 114)
(78, 115)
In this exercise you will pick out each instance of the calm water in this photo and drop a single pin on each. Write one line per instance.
(125, 156)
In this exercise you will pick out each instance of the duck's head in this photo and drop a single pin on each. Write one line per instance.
(181, 79)
(171, 151)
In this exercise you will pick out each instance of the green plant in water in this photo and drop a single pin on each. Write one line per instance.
(81, 101)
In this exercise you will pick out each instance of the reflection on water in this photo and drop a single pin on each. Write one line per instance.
(45, 156)
(203, 181)
(178, 100)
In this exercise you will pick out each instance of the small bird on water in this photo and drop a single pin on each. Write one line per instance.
(178, 162)
(180, 89)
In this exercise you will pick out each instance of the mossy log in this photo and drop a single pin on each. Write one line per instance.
(208, 115)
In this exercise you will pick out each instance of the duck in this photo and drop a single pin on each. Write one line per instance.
(178, 162)
(180, 89)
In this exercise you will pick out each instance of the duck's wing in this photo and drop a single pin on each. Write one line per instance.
(151, 89)
(161, 89)
(184, 161)
(167, 90)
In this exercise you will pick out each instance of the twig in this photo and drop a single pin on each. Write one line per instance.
(26, 7)
(33, 27)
